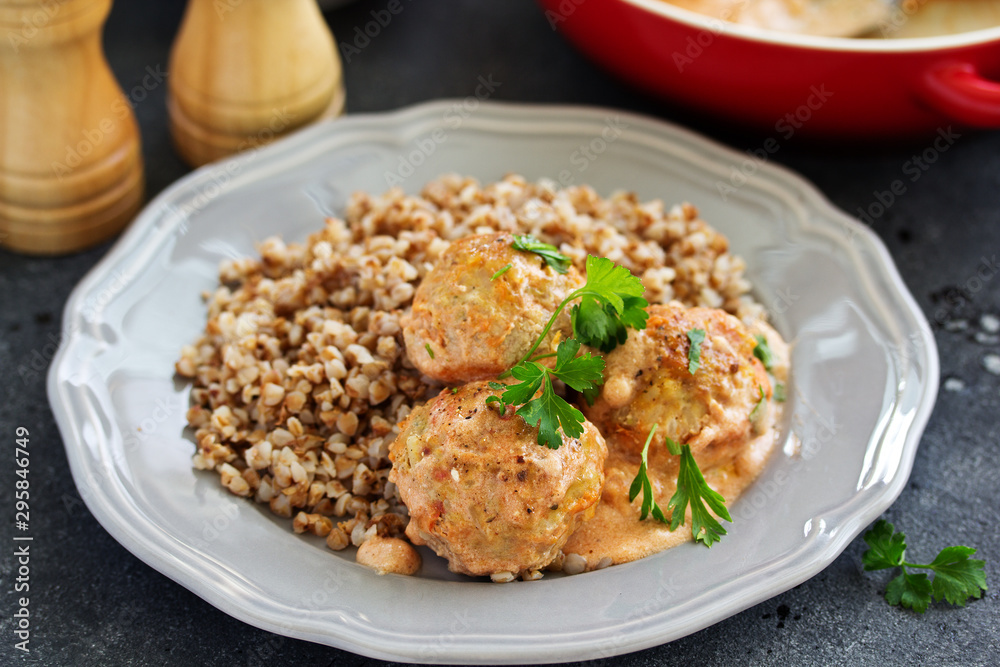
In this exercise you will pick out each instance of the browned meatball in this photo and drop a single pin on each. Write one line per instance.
(467, 325)
(647, 381)
(483, 493)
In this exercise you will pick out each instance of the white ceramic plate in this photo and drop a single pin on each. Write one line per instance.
(865, 375)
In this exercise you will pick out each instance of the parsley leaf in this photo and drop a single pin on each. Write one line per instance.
(758, 409)
(693, 489)
(696, 337)
(610, 301)
(527, 243)
(887, 547)
(600, 326)
(549, 411)
(503, 270)
(912, 591)
(643, 483)
(957, 578)
(610, 283)
(763, 352)
(531, 375)
(597, 324)
(581, 373)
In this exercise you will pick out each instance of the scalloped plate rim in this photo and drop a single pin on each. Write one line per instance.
(822, 548)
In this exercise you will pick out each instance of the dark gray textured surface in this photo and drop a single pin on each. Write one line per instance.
(93, 603)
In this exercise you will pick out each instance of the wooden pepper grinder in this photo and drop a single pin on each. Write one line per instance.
(244, 72)
(70, 161)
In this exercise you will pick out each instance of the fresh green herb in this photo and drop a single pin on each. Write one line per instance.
(610, 302)
(779, 394)
(526, 243)
(696, 337)
(427, 346)
(957, 578)
(454, 390)
(763, 352)
(642, 483)
(549, 411)
(502, 271)
(759, 407)
(692, 489)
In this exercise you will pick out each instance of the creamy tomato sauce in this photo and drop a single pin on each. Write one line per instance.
(615, 531)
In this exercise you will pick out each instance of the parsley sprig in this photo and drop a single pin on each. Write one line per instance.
(610, 302)
(692, 489)
(696, 337)
(763, 351)
(503, 269)
(957, 578)
(758, 408)
(643, 483)
(527, 243)
(549, 411)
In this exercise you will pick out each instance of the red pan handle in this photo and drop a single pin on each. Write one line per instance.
(957, 90)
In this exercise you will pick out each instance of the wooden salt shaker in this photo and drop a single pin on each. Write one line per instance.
(70, 161)
(244, 72)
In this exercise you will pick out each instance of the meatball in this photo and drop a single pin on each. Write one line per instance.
(483, 493)
(468, 323)
(647, 381)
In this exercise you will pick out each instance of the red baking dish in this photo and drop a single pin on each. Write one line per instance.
(784, 83)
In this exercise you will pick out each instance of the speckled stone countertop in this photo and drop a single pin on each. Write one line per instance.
(94, 603)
